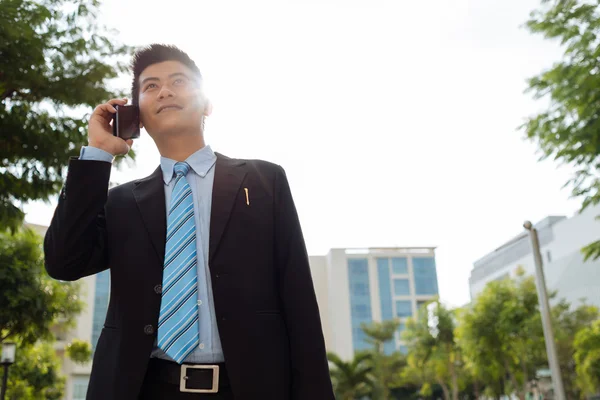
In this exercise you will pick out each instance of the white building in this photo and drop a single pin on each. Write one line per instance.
(352, 286)
(355, 286)
(561, 240)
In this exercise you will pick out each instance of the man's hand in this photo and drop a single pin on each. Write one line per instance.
(100, 131)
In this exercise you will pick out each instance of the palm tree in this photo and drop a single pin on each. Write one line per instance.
(351, 380)
(387, 368)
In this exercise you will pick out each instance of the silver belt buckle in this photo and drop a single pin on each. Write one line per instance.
(184, 378)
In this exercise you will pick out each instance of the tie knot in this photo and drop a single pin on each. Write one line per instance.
(181, 168)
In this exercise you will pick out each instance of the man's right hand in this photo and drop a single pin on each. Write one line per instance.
(100, 131)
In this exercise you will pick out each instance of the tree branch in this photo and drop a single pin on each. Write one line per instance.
(7, 93)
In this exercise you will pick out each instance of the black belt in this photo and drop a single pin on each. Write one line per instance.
(191, 378)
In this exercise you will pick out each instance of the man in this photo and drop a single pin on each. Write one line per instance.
(211, 293)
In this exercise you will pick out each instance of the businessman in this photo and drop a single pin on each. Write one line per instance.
(211, 292)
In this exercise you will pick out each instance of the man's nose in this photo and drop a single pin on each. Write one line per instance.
(165, 92)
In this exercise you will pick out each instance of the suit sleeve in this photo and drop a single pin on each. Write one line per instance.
(75, 243)
(310, 369)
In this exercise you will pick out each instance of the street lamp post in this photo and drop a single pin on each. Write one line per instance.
(8, 358)
(559, 391)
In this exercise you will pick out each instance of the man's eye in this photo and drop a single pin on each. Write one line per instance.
(178, 81)
(151, 86)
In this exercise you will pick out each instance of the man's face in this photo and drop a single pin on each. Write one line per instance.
(170, 99)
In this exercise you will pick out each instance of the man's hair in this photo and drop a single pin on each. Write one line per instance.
(154, 54)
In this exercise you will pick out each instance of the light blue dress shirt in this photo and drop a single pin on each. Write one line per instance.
(200, 178)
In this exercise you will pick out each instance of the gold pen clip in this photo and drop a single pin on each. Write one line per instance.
(247, 197)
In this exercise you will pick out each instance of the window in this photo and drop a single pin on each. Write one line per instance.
(403, 350)
(404, 308)
(360, 300)
(385, 289)
(425, 276)
(421, 303)
(80, 386)
(360, 289)
(401, 287)
(385, 298)
(400, 265)
(549, 256)
(100, 305)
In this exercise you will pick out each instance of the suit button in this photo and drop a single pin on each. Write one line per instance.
(148, 329)
(158, 289)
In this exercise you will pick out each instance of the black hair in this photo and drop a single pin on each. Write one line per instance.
(154, 54)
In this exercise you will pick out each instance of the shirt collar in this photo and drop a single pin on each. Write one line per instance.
(200, 162)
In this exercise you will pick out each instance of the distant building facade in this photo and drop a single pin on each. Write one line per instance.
(356, 286)
(561, 240)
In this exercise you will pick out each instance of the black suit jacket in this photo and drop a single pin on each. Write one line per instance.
(264, 299)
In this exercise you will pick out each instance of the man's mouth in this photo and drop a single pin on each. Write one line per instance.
(168, 107)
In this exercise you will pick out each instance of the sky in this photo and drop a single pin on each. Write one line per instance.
(396, 121)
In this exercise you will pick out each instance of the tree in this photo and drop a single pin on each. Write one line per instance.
(350, 380)
(567, 323)
(587, 358)
(434, 355)
(569, 130)
(36, 374)
(31, 301)
(501, 335)
(386, 368)
(79, 351)
(55, 62)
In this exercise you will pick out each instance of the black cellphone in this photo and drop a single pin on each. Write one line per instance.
(126, 122)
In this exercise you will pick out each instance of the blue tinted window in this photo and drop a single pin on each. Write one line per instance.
(401, 287)
(403, 308)
(360, 300)
(400, 265)
(385, 298)
(421, 303)
(100, 305)
(425, 275)
(403, 349)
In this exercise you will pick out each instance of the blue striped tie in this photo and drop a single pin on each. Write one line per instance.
(178, 331)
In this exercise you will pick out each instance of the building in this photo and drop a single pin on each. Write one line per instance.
(561, 240)
(88, 325)
(356, 286)
(353, 286)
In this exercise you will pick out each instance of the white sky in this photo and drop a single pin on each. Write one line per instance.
(395, 120)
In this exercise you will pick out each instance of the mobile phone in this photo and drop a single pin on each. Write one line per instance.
(126, 122)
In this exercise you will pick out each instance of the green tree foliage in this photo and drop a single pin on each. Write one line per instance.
(501, 335)
(31, 301)
(587, 358)
(55, 63)
(567, 323)
(351, 380)
(569, 130)
(386, 368)
(35, 374)
(79, 351)
(434, 355)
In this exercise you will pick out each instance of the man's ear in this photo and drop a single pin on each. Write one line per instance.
(208, 108)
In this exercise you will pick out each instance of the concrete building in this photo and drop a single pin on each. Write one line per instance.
(561, 240)
(352, 286)
(355, 286)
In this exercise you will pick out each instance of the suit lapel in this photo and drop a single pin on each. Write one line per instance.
(228, 179)
(149, 194)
